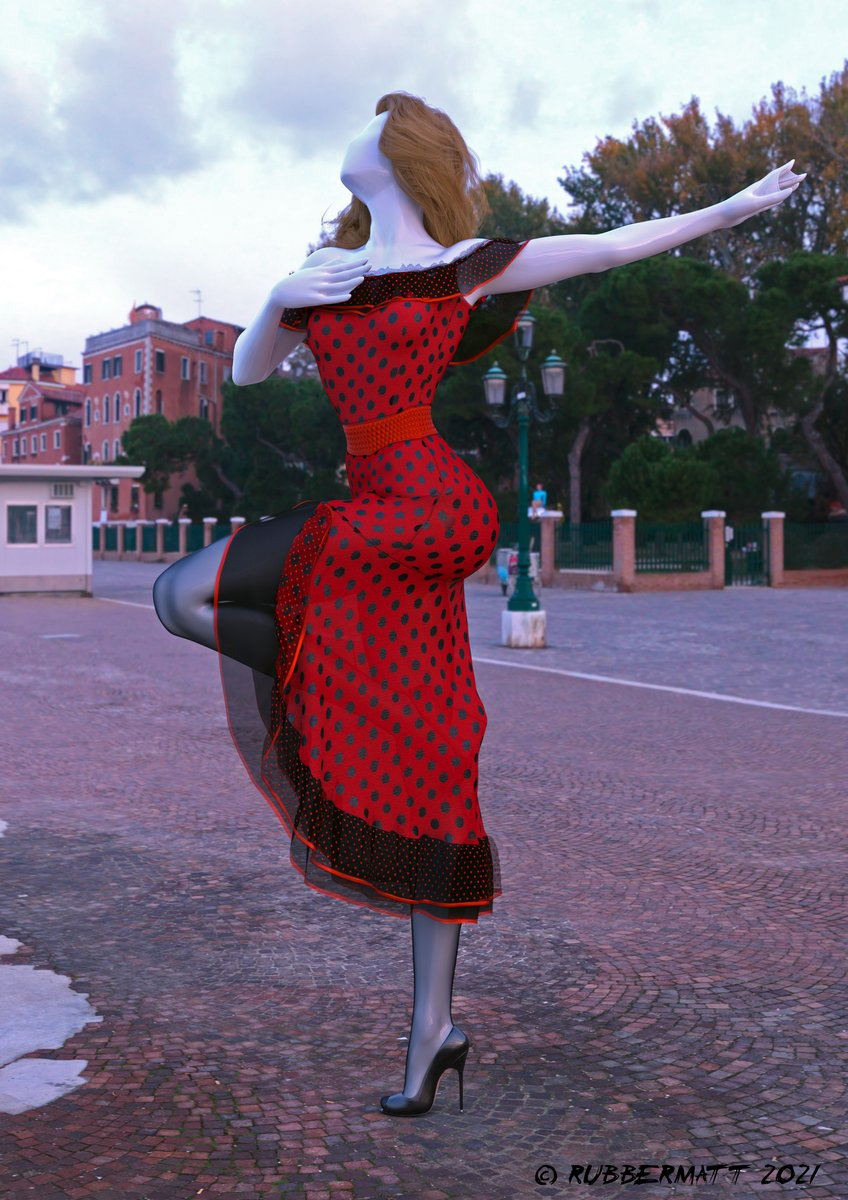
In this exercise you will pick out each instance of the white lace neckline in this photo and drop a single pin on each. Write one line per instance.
(430, 266)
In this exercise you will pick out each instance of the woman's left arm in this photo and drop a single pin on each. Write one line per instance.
(549, 259)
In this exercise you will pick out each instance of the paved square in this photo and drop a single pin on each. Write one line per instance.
(662, 981)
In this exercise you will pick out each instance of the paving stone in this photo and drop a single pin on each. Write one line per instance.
(663, 979)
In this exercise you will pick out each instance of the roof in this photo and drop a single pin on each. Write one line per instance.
(71, 471)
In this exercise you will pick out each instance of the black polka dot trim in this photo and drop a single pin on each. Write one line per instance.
(492, 318)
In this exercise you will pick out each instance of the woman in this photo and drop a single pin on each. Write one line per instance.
(342, 623)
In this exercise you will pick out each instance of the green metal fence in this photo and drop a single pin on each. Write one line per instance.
(586, 546)
(746, 554)
(147, 533)
(672, 546)
(811, 546)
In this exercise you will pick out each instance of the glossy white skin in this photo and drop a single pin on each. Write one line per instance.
(398, 241)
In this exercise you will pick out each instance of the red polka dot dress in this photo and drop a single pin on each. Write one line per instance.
(372, 724)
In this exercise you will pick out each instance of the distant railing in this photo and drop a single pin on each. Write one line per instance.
(586, 546)
(666, 546)
(815, 547)
(137, 538)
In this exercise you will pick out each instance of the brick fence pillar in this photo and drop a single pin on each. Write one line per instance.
(548, 555)
(624, 548)
(715, 545)
(139, 536)
(121, 527)
(161, 522)
(183, 523)
(209, 524)
(235, 522)
(776, 543)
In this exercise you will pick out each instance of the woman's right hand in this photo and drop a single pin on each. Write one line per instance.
(330, 281)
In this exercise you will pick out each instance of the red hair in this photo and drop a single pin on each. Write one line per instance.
(432, 164)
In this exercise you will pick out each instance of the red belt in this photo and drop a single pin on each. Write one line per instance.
(368, 436)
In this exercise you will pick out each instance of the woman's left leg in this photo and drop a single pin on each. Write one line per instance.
(434, 951)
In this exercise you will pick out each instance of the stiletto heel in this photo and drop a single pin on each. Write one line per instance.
(447, 1056)
(460, 1067)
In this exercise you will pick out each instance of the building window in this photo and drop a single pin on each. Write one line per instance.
(21, 524)
(33, 412)
(117, 448)
(207, 337)
(88, 412)
(117, 406)
(138, 362)
(57, 523)
(204, 408)
(134, 497)
(160, 362)
(203, 372)
(105, 451)
(106, 368)
(57, 439)
(86, 453)
(117, 366)
(158, 400)
(185, 372)
(44, 441)
(16, 448)
(137, 402)
(96, 412)
(23, 415)
(158, 500)
(86, 373)
(3, 395)
(34, 444)
(113, 498)
(106, 410)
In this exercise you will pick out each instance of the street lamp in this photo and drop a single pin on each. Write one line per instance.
(521, 407)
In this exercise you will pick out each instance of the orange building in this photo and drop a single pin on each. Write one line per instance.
(150, 366)
(43, 411)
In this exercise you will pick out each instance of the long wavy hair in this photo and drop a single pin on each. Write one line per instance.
(432, 164)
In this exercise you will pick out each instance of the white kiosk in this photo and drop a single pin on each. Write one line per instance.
(45, 525)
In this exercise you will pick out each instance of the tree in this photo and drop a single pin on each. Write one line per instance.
(662, 484)
(284, 444)
(679, 163)
(801, 296)
(729, 471)
(164, 446)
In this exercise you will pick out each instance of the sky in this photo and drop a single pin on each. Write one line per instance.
(151, 150)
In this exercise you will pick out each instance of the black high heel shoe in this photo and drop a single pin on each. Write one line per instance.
(451, 1053)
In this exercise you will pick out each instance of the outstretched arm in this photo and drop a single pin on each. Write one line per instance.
(322, 279)
(550, 259)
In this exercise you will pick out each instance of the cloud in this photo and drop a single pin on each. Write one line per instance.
(106, 119)
(317, 90)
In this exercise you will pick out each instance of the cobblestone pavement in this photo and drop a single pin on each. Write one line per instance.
(663, 980)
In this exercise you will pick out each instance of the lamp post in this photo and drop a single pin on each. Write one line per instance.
(522, 406)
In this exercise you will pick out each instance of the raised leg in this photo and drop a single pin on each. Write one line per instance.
(184, 594)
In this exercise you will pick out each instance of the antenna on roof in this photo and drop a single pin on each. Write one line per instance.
(197, 293)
